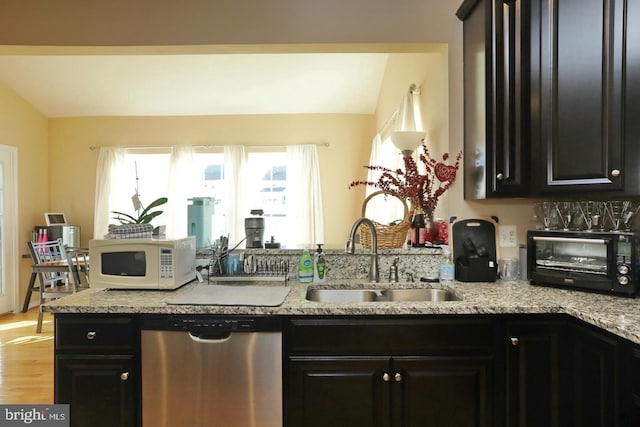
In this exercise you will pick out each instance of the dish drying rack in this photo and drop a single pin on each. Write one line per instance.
(253, 268)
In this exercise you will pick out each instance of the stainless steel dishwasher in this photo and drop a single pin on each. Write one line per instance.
(213, 371)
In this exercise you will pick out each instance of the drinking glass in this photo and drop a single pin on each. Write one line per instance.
(565, 214)
(546, 214)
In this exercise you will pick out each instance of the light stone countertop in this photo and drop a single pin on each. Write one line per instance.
(618, 315)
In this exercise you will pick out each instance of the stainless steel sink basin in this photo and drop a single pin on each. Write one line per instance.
(342, 295)
(419, 295)
(371, 295)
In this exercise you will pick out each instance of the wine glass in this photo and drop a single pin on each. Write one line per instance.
(546, 214)
(564, 212)
(591, 213)
(620, 213)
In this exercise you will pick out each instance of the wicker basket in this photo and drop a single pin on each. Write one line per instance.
(389, 236)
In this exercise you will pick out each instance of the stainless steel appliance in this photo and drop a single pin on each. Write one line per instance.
(604, 262)
(211, 371)
(254, 230)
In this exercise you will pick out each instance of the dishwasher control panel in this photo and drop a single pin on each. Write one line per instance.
(196, 323)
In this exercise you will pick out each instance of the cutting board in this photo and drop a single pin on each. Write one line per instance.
(477, 236)
(481, 232)
(268, 296)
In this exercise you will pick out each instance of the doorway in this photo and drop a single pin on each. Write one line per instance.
(8, 227)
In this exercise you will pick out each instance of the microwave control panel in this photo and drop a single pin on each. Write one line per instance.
(166, 263)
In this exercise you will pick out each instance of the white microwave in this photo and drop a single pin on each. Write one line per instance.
(141, 263)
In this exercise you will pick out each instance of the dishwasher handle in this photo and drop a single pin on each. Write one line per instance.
(210, 337)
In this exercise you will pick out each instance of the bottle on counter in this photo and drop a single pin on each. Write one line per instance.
(305, 267)
(319, 266)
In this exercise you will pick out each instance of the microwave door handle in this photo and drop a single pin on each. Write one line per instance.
(569, 240)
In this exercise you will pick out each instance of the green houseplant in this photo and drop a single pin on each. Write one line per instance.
(144, 217)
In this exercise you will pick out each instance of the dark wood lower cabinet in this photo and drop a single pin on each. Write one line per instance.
(535, 390)
(444, 391)
(338, 392)
(100, 389)
(631, 386)
(595, 363)
(412, 372)
(96, 369)
(380, 392)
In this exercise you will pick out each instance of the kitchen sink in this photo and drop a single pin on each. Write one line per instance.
(342, 295)
(372, 295)
(435, 295)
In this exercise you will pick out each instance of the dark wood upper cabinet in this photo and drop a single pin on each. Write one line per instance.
(578, 76)
(496, 104)
(552, 91)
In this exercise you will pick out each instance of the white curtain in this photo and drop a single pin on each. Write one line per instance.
(304, 198)
(110, 160)
(235, 191)
(407, 117)
(181, 178)
(379, 208)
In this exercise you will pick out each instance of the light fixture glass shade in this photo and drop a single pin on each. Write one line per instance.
(406, 140)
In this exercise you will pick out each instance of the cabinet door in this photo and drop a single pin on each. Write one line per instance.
(595, 363)
(341, 392)
(534, 366)
(496, 104)
(441, 392)
(578, 79)
(100, 389)
(631, 380)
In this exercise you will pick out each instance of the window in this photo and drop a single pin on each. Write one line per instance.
(268, 191)
(145, 172)
(264, 186)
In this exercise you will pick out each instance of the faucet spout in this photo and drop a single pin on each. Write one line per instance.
(374, 272)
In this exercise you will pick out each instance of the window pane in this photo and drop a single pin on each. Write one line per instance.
(152, 172)
(209, 173)
(269, 191)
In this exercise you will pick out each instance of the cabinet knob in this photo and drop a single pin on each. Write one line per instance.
(515, 341)
(615, 172)
(124, 376)
(397, 377)
(500, 176)
(386, 377)
(91, 335)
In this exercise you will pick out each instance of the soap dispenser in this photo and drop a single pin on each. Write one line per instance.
(319, 266)
(305, 267)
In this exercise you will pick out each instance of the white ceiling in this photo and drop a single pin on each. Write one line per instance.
(144, 85)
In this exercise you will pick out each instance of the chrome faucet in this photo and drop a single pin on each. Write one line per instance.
(374, 273)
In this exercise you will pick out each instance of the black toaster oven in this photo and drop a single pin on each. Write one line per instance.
(605, 262)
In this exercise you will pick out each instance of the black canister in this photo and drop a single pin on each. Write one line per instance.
(254, 230)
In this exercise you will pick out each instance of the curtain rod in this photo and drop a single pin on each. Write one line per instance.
(413, 89)
(319, 144)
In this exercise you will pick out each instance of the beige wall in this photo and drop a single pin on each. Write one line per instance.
(73, 164)
(22, 126)
(429, 72)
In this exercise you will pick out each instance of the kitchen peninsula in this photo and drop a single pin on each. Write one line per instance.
(504, 351)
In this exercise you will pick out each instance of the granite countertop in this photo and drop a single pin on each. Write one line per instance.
(618, 315)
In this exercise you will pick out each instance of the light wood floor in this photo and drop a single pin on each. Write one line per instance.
(26, 359)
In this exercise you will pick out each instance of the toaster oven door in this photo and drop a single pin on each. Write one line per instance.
(568, 254)
(572, 261)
